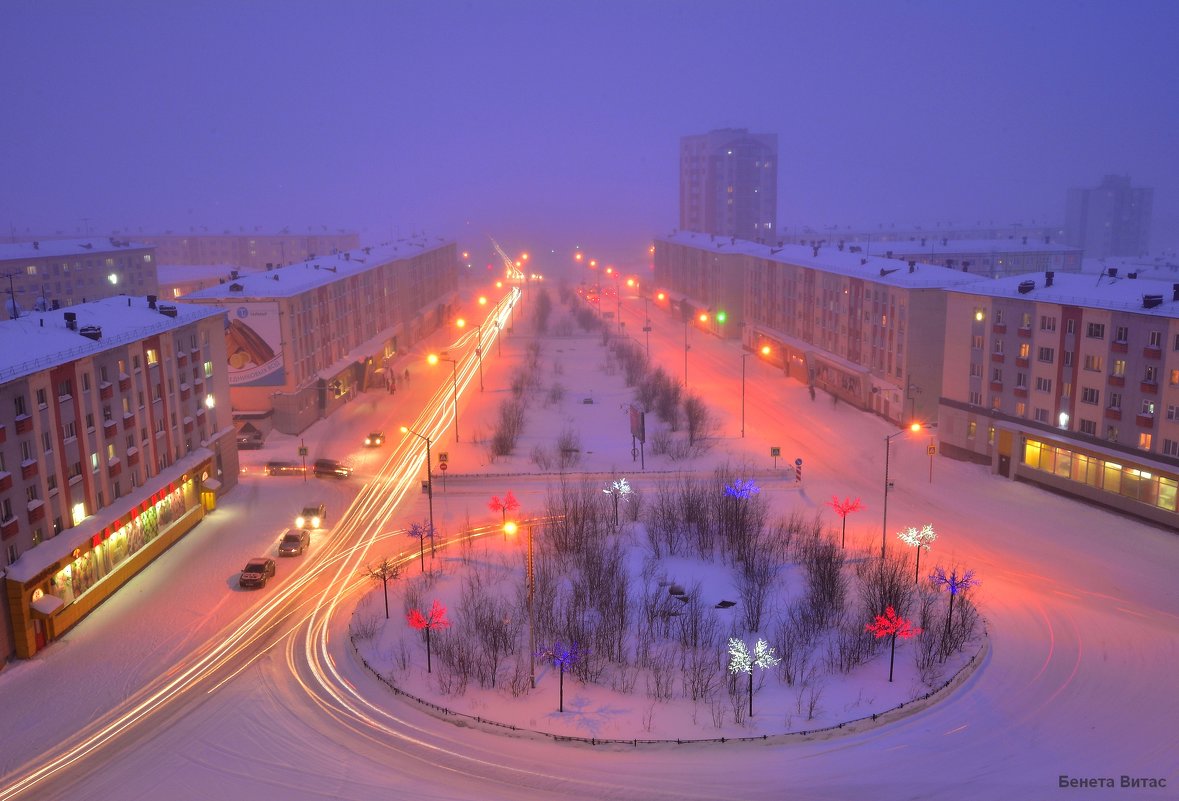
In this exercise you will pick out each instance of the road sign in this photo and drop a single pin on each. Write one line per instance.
(798, 470)
(775, 451)
(931, 449)
(302, 451)
(442, 467)
(443, 457)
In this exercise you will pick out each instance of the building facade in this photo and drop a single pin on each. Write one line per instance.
(866, 330)
(115, 437)
(254, 251)
(61, 272)
(1112, 219)
(729, 184)
(1068, 381)
(303, 339)
(984, 258)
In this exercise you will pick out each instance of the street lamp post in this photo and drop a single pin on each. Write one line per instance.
(887, 447)
(511, 528)
(434, 359)
(429, 480)
(687, 347)
(499, 343)
(479, 351)
(647, 325)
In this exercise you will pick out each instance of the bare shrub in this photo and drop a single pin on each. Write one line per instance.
(661, 441)
(542, 457)
(365, 627)
(884, 583)
(556, 393)
(568, 449)
(699, 419)
(660, 675)
(509, 425)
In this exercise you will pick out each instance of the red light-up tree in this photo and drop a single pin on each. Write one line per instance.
(843, 509)
(436, 619)
(890, 624)
(507, 504)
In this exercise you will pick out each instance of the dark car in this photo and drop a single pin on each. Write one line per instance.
(256, 571)
(331, 468)
(284, 469)
(248, 442)
(294, 542)
(374, 440)
(314, 515)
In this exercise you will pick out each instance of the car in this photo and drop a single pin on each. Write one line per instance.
(249, 442)
(284, 469)
(313, 516)
(294, 541)
(331, 468)
(256, 571)
(374, 440)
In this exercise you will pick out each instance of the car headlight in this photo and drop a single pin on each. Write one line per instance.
(315, 522)
(299, 521)
(368, 441)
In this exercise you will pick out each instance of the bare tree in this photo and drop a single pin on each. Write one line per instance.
(383, 571)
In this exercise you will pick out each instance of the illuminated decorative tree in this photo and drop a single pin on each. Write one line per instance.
(562, 656)
(383, 571)
(890, 624)
(421, 531)
(742, 488)
(843, 509)
(740, 661)
(618, 490)
(508, 504)
(955, 584)
(918, 539)
(436, 619)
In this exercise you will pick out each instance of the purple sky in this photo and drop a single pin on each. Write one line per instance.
(549, 124)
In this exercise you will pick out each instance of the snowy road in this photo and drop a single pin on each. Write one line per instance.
(1082, 608)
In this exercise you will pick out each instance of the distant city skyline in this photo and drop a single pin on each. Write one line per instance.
(554, 125)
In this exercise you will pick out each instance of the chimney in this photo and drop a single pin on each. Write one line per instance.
(1048, 276)
(91, 332)
(71, 320)
(815, 249)
(1112, 272)
(151, 301)
(1150, 301)
(888, 254)
(1026, 287)
(863, 261)
(36, 245)
(912, 266)
(1132, 275)
(1025, 240)
(233, 274)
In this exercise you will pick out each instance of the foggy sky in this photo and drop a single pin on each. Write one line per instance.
(549, 124)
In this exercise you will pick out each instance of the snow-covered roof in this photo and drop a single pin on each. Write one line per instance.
(294, 279)
(39, 340)
(56, 248)
(180, 273)
(893, 272)
(1084, 289)
(933, 246)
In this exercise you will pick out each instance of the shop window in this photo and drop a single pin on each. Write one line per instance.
(970, 429)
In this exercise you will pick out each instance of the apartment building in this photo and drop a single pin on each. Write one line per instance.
(729, 183)
(985, 258)
(304, 338)
(1111, 219)
(61, 272)
(865, 329)
(1070, 381)
(255, 250)
(115, 437)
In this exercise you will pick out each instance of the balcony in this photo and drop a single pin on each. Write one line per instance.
(109, 427)
(1119, 347)
(128, 421)
(1024, 332)
(132, 456)
(1149, 388)
(124, 383)
(36, 511)
(996, 386)
(1152, 353)
(24, 424)
(1021, 361)
(997, 358)
(1117, 380)
(1020, 392)
(5, 481)
(999, 328)
(106, 390)
(1145, 420)
(9, 528)
(114, 467)
(3, 434)
(28, 468)
(1113, 414)
(181, 359)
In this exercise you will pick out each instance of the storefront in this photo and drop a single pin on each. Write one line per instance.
(53, 586)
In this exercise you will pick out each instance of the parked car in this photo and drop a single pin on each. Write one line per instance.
(314, 515)
(256, 571)
(249, 442)
(331, 468)
(374, 440)
(294, 542)
(284, 469)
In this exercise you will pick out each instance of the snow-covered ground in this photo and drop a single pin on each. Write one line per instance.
(1082, 606)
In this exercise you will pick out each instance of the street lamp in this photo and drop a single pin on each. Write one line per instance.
(887, 446)
(744, 356)
(499, 342)
(434, 358)
(429, 480)
(687, 347)
(478, 343)
(510, 528)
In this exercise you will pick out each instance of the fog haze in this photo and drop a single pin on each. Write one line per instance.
(549, 124)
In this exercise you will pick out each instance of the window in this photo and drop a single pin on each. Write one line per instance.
(1094, 363)
(1119, 367)
(70, 430)
(1047, 323)
(1148, 407)
(46, 442)
(1043, 384)
(135, 362)
(976, 370)
(5, 509)
(65, 388)
(85, 382)
(1090, 395)
(1026, 320)
(140, 394)
(1021, 380)
(976, 398)
(155, 392)
(153, 357)
(1068, 358)
(1046, 355)
(990, 435)
(1070, 327)
(11, 554)
(41, 401)
(976, 342)
(1115, 400)
(1156, 339)
(998, 346)
(106, 412)
(1095, 331)
(1144, 438)
(1121, 333)
(1041, 415)
(996, 402)
(208, 369)
(89, 421)
(970, 429)
(19, 403)
(31, 492)
(110, 450)
(1174, 377)
(1111, 433)
(1173, 412)
(94, 463)
(997, 375)
(1024, 350)
(998, 317)
(1150, 375)
(102, 373)
(1170, 447)
(1021, 408)
(1066, 389)
(1089, 427)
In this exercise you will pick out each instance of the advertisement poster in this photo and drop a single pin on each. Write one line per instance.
(253, 346)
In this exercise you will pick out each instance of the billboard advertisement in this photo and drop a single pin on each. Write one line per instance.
(253, 346)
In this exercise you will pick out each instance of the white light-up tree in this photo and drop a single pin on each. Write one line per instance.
(918, 538)
(618, 490)
(740, 661)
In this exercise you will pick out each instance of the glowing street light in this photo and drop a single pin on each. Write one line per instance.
(429, 481)
(887, 444)
(434, 358)
(510, 529)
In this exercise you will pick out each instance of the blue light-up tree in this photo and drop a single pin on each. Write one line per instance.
(618, 490)
(918, 538)
(562, 656)
(955, 583)
(740, 661)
